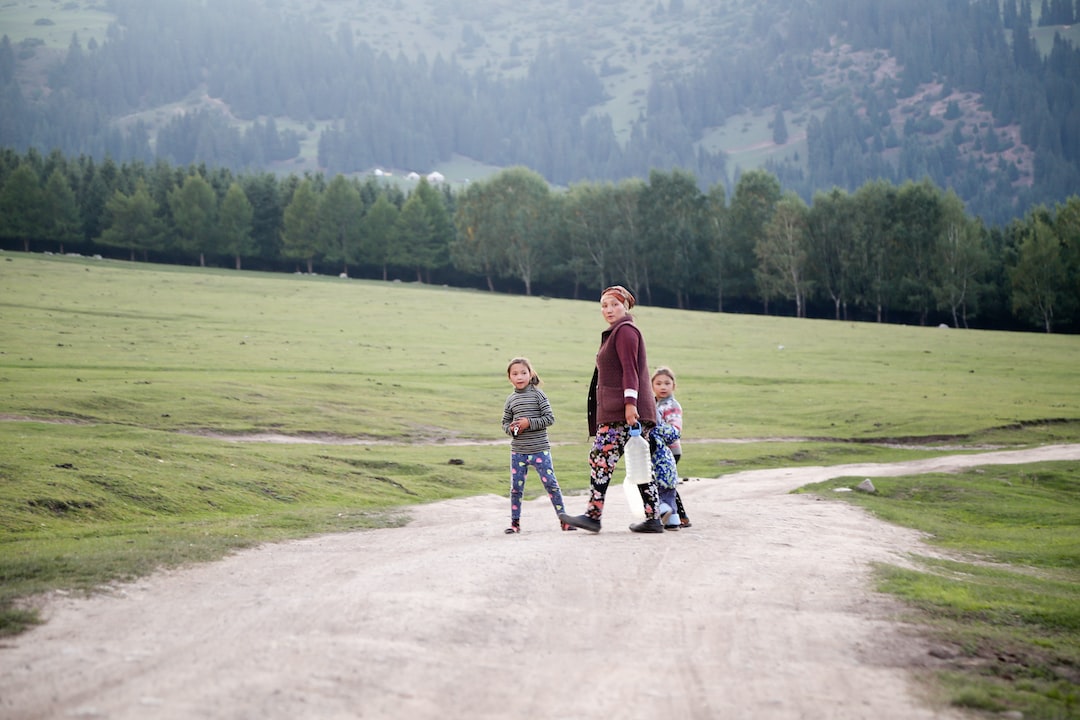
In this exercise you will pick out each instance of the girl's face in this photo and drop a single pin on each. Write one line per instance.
(612, 309)
(663, 386)
(519, 375)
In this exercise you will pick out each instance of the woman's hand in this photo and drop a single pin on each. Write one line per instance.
(631, 414)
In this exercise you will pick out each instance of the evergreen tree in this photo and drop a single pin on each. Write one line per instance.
(8, 65)
(194, 210)
(379, 228)
(1045, 17)
(717, 245)
(264, 194)
(1010, 17)
(22, 206)
(235, 218)
(442, 227)
(132, 223)
(340, 210)
(415, 234)
(1025, 15)
(300, 238)
(95, 190)
(779, 128)
(60, 211)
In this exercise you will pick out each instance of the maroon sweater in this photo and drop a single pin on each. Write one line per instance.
(621, 377)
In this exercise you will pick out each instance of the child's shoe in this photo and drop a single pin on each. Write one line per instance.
(515, 527)
(566, 526)
(665, 512)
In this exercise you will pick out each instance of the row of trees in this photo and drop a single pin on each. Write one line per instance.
(884, 252)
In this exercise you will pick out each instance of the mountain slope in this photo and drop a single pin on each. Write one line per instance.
(578, 90)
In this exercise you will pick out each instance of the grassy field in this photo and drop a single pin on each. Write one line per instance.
(142, 408)
(53, 24)
(1006, 612)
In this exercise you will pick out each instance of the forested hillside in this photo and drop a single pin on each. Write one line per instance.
(893, 161)
(981, 97)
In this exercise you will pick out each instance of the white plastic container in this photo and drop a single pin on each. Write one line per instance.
(638, 471)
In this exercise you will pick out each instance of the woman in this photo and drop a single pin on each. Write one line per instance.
(620, 396)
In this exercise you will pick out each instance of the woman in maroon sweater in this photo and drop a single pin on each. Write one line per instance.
(620, 396)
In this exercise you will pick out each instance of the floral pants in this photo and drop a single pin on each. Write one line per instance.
(519, 468)
(607, 448)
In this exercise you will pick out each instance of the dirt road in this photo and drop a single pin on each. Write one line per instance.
(762, 610)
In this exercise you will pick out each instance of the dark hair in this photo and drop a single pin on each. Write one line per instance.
(664, 370)
(534, 379)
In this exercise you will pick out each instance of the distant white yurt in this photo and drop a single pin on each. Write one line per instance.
(436, 177)
(413, 176)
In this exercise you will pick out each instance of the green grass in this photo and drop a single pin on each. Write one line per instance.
(1008, 606)
(747, 138)
(127, 389)
(54, 23)
(82, 505)
(182, 349)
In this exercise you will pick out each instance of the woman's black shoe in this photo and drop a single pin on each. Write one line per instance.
(652, 525)
(581, 521)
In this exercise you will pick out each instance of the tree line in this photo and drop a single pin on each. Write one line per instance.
(884, 253)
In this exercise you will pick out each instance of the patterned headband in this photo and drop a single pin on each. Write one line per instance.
(625, 296)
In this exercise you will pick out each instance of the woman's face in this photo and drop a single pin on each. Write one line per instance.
(611, 308)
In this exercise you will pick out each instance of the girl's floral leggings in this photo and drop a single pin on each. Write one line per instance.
(606, 450)
(519, 467)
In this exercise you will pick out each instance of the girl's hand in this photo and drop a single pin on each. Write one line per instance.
(519, 425)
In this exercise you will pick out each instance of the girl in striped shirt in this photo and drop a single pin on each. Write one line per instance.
(526, 417)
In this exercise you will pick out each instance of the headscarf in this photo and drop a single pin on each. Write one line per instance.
(624, 296)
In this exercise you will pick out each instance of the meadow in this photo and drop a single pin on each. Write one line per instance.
(1003, 604)
(152, 416)
(53, 25)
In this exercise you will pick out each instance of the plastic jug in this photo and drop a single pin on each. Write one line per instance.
(638, 465)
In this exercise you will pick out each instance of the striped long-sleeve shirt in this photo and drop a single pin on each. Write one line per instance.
(529, 402)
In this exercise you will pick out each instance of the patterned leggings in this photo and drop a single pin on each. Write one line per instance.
(606, 450)
(519, 467)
